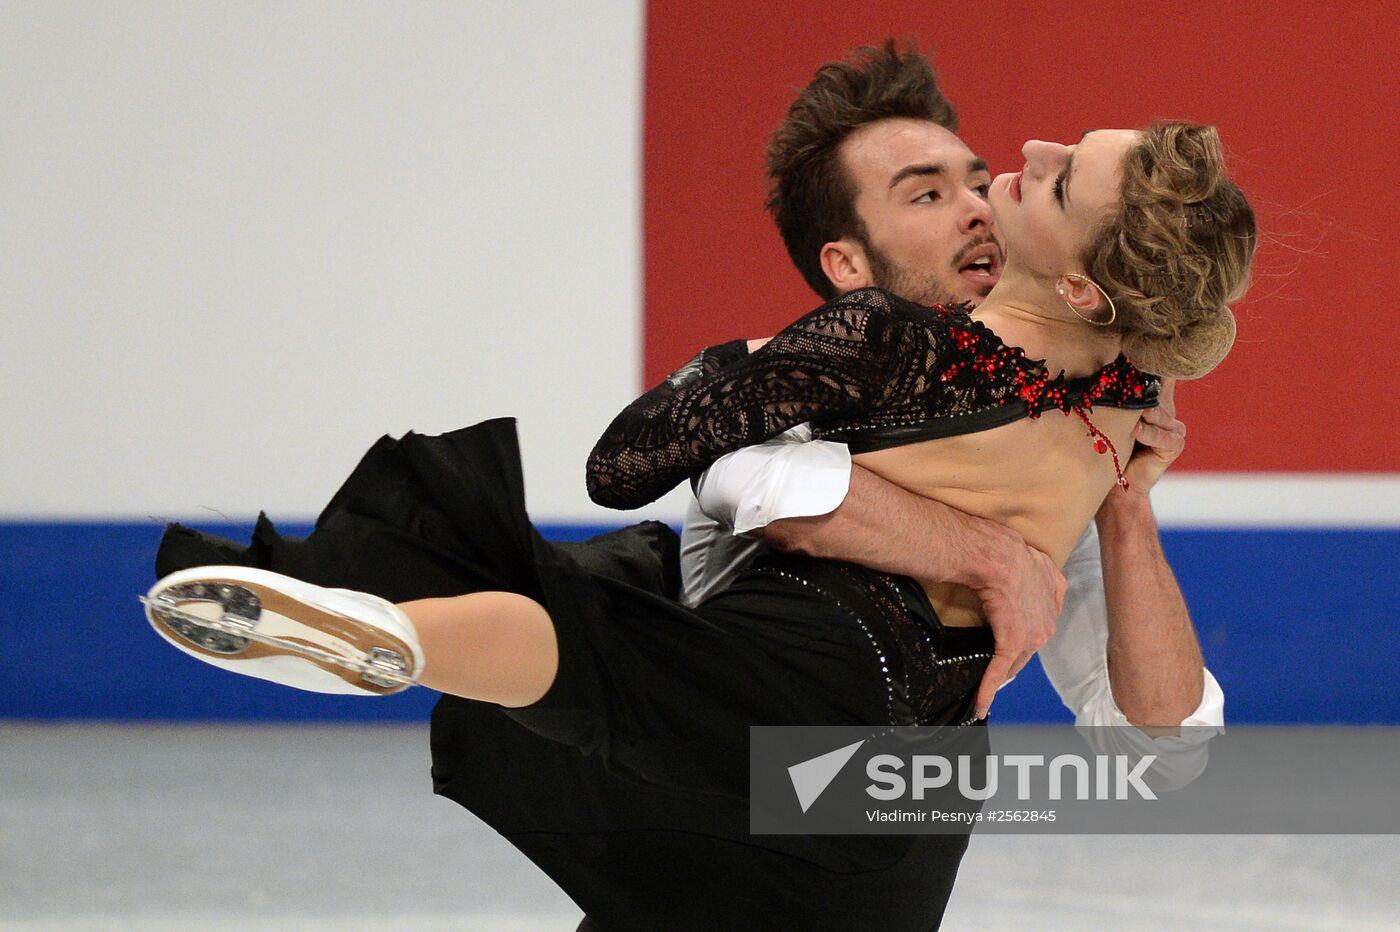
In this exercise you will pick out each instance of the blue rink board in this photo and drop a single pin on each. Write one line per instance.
(1299, 626)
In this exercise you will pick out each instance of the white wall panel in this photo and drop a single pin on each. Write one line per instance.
(239, 241)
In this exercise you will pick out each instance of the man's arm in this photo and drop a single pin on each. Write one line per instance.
(853, 514)
(1154, 660)
(1076, 662)
(1126, 652)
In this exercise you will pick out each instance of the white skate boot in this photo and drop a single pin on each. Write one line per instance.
(287, 631)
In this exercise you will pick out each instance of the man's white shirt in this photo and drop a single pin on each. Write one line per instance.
(793, 476)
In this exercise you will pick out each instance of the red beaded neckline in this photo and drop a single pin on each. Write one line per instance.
(986, 354)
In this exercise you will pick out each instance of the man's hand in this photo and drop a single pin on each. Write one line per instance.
(1160, 440)
(1022, 592)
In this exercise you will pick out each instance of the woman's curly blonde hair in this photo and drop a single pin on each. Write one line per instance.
(1177, 252)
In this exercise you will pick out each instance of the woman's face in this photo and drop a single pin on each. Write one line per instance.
(1048, 211)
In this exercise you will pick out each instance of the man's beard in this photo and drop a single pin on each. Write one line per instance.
(927, 289)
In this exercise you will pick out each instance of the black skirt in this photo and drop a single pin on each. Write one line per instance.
(627, 782)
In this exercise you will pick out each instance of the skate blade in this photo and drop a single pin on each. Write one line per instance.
(230, 634)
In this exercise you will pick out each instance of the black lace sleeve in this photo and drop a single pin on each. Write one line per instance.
(838, 359)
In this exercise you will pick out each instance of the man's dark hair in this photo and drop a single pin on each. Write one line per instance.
(810, 196)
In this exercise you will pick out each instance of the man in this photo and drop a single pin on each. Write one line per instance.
(870, 186)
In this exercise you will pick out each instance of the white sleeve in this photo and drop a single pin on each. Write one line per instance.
(711, 557)
(1076, 661)
(790, 476)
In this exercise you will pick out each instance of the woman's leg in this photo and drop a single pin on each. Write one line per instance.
(494, 646)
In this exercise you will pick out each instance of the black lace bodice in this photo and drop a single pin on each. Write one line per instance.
(868, 368)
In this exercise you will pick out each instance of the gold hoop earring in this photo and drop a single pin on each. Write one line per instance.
(1113, 308)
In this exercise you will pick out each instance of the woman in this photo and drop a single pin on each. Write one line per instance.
(1126, 243)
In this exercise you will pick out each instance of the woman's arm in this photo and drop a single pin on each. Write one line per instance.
(832, 362)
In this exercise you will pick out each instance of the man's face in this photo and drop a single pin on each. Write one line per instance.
(922, 195)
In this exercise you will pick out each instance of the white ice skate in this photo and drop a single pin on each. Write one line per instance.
(287, 631)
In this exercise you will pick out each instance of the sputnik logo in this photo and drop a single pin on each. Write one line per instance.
(811, 777)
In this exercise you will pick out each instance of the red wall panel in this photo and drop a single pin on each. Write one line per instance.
(1306, 99)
